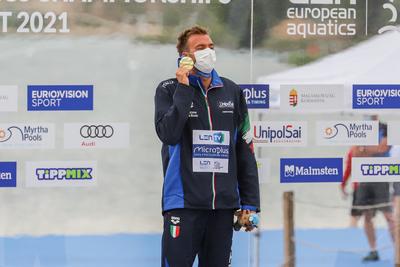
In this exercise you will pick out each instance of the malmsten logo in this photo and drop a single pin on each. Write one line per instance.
(309, 170)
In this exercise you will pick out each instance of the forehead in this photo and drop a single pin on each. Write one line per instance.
(199, 40)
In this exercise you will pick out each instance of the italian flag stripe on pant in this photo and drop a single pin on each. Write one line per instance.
(175, 230)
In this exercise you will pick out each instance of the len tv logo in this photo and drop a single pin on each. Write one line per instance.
(8, 174)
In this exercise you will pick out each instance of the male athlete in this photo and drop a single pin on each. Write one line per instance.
(209, 165)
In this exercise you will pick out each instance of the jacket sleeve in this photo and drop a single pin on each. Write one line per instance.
(172, 111)
(246, 163)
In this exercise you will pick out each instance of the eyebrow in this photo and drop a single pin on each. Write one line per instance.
(202, 45)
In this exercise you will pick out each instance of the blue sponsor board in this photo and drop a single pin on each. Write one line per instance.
(257, 95)
(376, 96)
(8, 174)
(60, 97)
(311, 170)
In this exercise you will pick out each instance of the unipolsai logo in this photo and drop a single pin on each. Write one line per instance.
(393, 19)
(289, 170)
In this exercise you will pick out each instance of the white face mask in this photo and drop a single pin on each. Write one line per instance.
(205, 60)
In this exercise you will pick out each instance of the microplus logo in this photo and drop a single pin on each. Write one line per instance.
(60, 97)
(376, 96)
(257, 95)
(308, 170)
(8, 174)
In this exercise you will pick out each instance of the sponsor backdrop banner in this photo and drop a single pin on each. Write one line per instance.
(77, 89)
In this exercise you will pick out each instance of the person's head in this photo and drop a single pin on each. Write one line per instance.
(197, 44)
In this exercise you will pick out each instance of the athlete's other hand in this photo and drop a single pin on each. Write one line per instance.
(182, 75)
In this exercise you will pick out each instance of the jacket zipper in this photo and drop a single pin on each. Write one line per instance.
(205, 93)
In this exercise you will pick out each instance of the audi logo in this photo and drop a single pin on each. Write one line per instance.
(97, 131)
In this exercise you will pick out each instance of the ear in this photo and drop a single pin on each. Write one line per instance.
(184, 54)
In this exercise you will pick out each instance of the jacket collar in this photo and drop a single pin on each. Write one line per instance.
(215, 80)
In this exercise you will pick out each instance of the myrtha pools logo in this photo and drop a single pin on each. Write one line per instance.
(64, 173)
(26, 135)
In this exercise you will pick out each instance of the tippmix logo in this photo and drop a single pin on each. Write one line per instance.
(64, 173)
(61, 173)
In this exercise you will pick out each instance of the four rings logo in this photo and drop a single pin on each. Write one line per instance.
(97, 131)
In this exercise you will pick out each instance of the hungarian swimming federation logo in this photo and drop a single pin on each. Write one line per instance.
(175, 231)
(293, 98)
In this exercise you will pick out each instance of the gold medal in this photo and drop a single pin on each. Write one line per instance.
(187, 63)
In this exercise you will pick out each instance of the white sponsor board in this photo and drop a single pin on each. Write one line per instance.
(393, 133)
(211, 151)
(96, 135)
(307, 97)
(61, 173)
(8, 98)
(27, 135)
(280, 133)
(264, 170)
(378, 169)
(332, 133)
